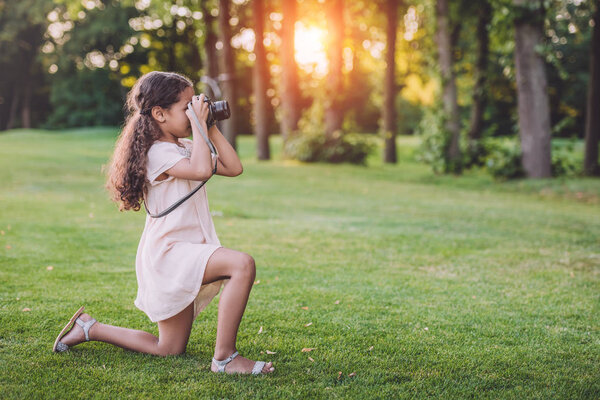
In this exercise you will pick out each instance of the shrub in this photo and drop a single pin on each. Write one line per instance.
(310, 144)
(435, 142)
(503, 157)
(566, 161)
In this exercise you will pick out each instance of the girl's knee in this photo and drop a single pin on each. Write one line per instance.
(248, 265)
(172, 350)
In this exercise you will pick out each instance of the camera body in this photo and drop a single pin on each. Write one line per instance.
(217, 111)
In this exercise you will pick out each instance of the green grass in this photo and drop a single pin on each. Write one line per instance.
(451, 287)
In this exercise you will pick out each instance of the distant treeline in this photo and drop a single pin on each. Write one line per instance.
(384, 63)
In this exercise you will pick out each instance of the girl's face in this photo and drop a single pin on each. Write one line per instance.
(176, 123)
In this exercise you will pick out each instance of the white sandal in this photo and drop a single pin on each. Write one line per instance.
(256, 370)
(59, 346)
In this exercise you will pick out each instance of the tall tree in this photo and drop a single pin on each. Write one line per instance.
(22, 26)
(334, 113)
(227, 76)
(592, 121)
(484, 15)
(390, 88)
(290, 90)
(532, 96)
(210, 49)
(449, 94)
(260, 82)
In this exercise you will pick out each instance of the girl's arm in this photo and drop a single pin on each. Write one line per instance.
(200, 165)
(228, 163)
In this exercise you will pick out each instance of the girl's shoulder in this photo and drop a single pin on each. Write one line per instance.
(161, 151)
(160, 146)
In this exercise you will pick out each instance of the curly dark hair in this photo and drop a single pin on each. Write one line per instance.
(126, 177)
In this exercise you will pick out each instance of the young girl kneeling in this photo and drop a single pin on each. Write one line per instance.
(180, 263)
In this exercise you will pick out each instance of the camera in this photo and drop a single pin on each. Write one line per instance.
(217, 111)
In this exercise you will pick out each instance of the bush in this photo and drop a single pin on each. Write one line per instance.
(435, 142)
(503, 158)
(566, 161)
(86, 98)
(309, 142)
(312, 146)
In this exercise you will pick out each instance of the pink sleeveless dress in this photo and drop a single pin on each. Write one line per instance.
(174, 249)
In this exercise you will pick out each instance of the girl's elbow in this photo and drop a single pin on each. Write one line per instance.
(203, 175)
(238, 171)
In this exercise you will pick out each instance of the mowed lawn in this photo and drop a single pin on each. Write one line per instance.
(404, 284)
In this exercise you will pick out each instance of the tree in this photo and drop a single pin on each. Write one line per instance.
(260, 82)
(449, 93)
(85, 90)
(592, 121)
(210, 49)
(389, 88)
(532, 96)
(227, 75)
(334, 113)
(22, 25)
(290, 91)
(484, 15)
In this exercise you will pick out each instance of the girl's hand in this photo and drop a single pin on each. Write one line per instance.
(200, 109)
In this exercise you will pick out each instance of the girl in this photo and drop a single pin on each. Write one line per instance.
(180, 263)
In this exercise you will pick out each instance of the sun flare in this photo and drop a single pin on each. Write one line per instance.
(310, 51)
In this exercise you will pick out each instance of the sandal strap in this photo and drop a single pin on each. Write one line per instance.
(222, 363)
(86, 327)
(258, 366)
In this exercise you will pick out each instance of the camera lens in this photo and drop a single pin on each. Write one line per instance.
(221, 110)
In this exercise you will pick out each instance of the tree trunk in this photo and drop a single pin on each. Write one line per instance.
(389, 88)
(189, 39)
(290, 94)
(334, 115)
(14, 105)
(532, 96)
(449, 95)
(592, 120)
(260, 80)
(227, 76)
(26, 108)
(212, 61)
(481, 62)
(172, 58)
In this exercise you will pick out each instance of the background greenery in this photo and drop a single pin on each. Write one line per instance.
(448, 287)
(81, 57)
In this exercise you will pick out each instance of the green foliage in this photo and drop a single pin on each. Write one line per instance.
(503, 158)
(566, 160)
(310, 144)
(86, 93)
(88, 98)
(435, 142)
(22, 83)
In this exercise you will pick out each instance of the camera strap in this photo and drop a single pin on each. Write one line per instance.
(213, 151)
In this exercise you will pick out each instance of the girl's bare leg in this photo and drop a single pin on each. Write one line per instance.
(240, 269)
(173, 332)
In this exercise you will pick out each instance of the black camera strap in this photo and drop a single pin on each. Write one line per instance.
(213, 151)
